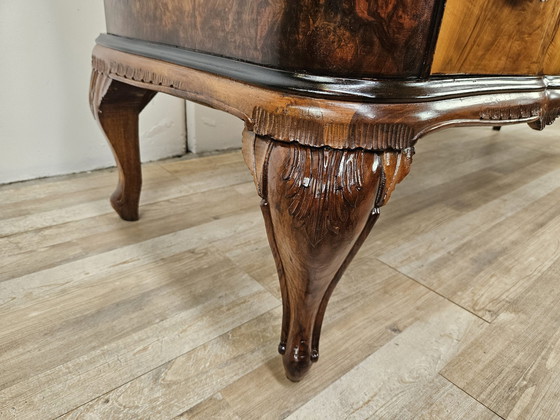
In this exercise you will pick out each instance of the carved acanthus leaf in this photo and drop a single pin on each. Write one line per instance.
(396, 167)
(99, 85)
(325, 184)
(138, 74)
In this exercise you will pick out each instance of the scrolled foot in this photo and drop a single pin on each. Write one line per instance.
(297, 361)
(126, 206)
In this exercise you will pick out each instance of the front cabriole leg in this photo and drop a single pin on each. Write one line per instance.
(116, 107)
(319, 205)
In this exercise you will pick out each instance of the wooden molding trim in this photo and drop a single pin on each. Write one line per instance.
(365, 90)
(329, 122)
(368, 135)
(511, 113)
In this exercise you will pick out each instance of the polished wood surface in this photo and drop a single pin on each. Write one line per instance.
(326, 87)
(323, 167)
(319, 206)
(499, 37)
(361, 38)
(320, 121)
(179, 314)
(326, 144)
(116, 107)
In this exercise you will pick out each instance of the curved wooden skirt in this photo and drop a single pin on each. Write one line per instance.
(334, 112)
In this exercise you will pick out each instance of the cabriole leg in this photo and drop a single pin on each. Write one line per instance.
(116, 107)
(319, 205)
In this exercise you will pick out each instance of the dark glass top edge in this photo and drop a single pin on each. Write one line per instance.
(327, 87)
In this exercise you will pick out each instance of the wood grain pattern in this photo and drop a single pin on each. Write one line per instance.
(328, 87)
(319, 202)
(514, 365)
(116, 107)
(190, 381)
(319, 206)
(498, 37)
(322, 166)
(166, 326)
(321, 122)
(402, 376)
(551, 57)
(213, 408)
(96, 338)
(355, 37)
(531, 204)
(87, 222)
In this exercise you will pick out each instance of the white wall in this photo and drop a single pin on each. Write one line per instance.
(209, 129)
(45, 124)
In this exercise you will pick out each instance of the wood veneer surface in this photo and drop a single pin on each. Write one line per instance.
(347, 38)
(499, 37)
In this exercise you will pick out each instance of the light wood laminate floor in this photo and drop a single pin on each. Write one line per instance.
(449, 311)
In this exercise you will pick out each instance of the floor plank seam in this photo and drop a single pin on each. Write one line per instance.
(50, 226)
(432, 290)
(471, 396)
(170, 361)
(440, 339)
(183, 182)
(235, 263)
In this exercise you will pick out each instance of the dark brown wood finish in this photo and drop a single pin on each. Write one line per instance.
(116, 106)
(349, 124)
(319, 205)
(322, 166)
(361, 38)
(342, 88)
(325, 152)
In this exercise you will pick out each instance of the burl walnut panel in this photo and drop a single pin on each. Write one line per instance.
(357, 38)
(516, 37)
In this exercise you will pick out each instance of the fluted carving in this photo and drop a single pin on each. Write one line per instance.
(312, 131)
